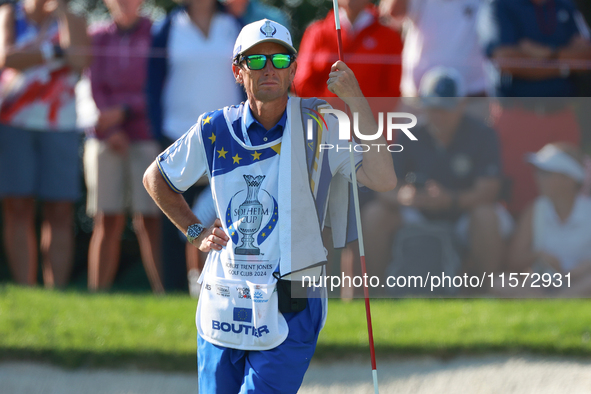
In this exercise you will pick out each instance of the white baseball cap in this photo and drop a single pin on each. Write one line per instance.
(264, 30)
(552, 159)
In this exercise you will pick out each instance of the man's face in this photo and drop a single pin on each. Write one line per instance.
(553, 184)
(36, 9)
(124, 10)
(270, 83)
(445, 120)
(236, 7)
(353, 6)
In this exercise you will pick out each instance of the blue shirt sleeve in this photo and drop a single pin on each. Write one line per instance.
(496, 27)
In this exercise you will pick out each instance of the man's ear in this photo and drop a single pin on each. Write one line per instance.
(237, 74)
(292, 72)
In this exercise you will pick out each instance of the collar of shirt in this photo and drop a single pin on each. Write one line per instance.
(258, 134)
(131, 29)
(363, 20)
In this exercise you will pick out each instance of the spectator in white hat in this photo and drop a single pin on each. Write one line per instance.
(554, 233)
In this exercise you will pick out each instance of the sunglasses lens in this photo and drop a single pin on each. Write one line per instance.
(256, 62)
(281, 61)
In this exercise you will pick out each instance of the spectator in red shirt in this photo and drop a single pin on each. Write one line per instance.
(371, 49)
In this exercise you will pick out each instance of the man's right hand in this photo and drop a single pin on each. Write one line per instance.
(213, 238)
(110, 117)
(433, 197)
(535, 50)
(118, 142)
(406, 195)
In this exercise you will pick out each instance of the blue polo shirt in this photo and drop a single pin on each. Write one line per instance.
(553, 23)
(257, 133)
(473, 153)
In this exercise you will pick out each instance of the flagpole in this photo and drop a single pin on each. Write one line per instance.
(358, 221)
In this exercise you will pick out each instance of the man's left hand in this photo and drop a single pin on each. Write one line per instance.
(535, 50)
(118, 142)
(434, 197)
(342, 81)
(212, 238)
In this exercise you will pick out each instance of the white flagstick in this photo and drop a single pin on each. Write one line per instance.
(372, 352)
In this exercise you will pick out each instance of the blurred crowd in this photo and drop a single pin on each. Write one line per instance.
(496, 181)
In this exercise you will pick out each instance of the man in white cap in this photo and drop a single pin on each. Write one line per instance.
(253, 336)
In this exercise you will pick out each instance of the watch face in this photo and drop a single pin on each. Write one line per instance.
(194, 230)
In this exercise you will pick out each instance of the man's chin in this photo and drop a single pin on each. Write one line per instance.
(267, 95)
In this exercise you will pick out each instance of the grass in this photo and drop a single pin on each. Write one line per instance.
(76, 329)
(450, 327)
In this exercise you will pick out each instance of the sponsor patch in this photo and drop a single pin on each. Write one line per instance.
(223, 291)
(239, 328)
(259, 296)
(243, 292)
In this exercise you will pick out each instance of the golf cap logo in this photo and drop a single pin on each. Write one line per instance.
(268, 30)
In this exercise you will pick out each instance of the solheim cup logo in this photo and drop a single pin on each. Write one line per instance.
(254, 220)
(251, 215)
(268, 30)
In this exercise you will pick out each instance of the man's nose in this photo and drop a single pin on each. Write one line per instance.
(269, 68)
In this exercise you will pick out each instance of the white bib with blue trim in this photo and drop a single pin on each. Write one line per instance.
(238, 305)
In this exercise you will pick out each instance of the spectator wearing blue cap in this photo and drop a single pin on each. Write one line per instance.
(452, 174)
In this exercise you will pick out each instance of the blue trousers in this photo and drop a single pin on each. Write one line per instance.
(280, 370)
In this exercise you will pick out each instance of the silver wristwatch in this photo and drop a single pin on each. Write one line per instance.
(194, 231)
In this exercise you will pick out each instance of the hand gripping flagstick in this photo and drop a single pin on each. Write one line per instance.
(358, 221)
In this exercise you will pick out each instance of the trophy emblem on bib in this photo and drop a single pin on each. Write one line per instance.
(250, 216)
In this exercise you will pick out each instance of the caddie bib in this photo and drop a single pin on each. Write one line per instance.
(238, 302)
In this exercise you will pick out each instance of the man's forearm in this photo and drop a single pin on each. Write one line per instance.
(171, 203)
(74, 40)
(377, 170)
(535, 61)
(577, 50)
(513, 60)
(485, 191)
